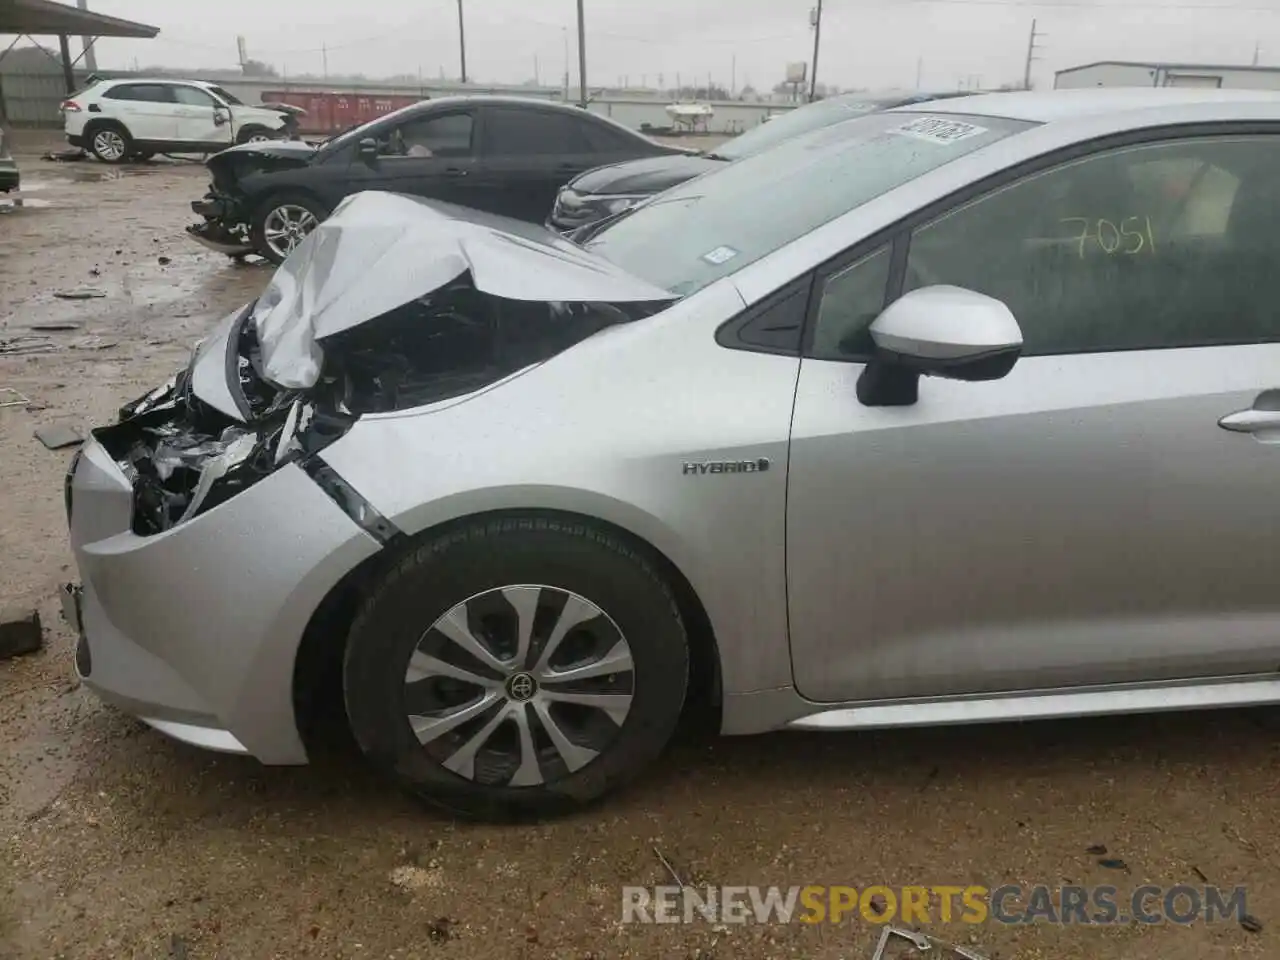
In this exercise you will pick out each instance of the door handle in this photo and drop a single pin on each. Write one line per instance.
(1262, 419)
(1251, 421)
(455, 172)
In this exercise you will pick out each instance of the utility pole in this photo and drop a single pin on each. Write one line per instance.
(1257, 50)
(462, 42)
(919, 72)
(1032, 47)
(733, 77)
(537, 82)
(817, 37)
(90, 55)
(582, 55)
(566, 64)
(324, 54)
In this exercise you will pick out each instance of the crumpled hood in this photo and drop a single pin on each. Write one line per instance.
(379, 251)
(645, 176)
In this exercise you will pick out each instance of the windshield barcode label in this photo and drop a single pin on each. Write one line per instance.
(937, 130)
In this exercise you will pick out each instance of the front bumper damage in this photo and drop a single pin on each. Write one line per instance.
(207, 526)
(224, 227)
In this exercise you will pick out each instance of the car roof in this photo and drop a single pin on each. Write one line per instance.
(114, 81)
(496, 99)
(1055, 105)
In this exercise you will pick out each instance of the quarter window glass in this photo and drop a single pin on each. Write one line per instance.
(436, 136)
(1165, 245)
(191, 97)
(851, 299)
(523, 133)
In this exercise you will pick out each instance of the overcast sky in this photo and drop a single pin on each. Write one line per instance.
(865, 43)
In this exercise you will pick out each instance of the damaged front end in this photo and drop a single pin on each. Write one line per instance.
(225, 210)
(393, 303)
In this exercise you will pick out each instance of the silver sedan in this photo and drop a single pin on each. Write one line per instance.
(966, 411)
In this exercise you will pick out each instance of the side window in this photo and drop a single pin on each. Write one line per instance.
(192, 97)
(149, 92)
(602, 138)
(523, 133)
(437, 135)
(851, 299)
(1155, 246)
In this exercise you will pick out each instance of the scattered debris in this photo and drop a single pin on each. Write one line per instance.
(670, 869)
(440, 929)
(95, 272)
(65, 156)
(1199, 873)
(59, 435)
(1114, 863)
(81, 293)
(58, 327)
(1097, 850)
(26, 345)
(20, 632)
(923, 944)
(416, 878)
(1251, 923)
(178, 948)
(20, 399)
(164, 261)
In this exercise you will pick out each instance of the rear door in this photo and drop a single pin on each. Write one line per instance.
(149, 111)
(429, 155)
(196, 118)
(1093, 517)
(527, 154)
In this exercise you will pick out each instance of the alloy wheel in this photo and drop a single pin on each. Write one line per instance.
(519, 685)
(286, 226)
(109, 145)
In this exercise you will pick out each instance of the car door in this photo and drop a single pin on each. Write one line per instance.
(527, 155)
(427, 155)
(198, 118)
(148, 110)
(1086, 519)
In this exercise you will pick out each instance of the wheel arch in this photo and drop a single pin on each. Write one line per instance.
(317, 670)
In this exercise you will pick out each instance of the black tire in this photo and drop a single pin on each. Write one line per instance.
(103, 138)
(142, 156)
(438, 574)
(257, 229)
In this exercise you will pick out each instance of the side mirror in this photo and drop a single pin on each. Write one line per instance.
(221, 116)
(939, 331)
(368, 148)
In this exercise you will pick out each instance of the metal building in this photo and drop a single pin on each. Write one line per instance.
(1124, 73)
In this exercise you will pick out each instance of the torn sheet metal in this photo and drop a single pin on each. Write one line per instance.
(931, 947)
(382, 250)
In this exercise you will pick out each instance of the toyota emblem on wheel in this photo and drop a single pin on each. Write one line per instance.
(522, 687)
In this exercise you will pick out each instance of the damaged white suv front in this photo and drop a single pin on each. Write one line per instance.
(206, 523)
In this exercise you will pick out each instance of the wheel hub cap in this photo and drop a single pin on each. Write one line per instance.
(519, 685)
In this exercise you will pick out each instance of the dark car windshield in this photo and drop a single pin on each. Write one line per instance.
(813, 116)
(720, 222)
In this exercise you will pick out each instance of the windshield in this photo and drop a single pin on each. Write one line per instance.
(795, 122)
(226, 97)
(720, 222)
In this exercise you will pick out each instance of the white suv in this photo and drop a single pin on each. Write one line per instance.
(118, 120)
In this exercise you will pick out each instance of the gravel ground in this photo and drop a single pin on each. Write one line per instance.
(117, 843)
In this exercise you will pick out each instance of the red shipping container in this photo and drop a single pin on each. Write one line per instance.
(329, 112)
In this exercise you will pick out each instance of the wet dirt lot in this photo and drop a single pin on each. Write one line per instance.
(117, 843)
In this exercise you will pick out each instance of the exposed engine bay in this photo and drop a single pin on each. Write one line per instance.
(292, 372)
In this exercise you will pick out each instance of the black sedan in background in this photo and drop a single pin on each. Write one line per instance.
(505, 155)
(609, 190)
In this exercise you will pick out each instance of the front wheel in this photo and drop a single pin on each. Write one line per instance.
(516, 668)
(283, 222)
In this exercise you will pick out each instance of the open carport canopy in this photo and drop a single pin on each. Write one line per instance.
(45, 17)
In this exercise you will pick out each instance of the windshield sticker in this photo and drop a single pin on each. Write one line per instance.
(939, 131)
(720, 255)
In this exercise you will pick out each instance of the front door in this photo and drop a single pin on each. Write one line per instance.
(429, 155)
(1085, 520)
(197, 118)
(527, 155)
